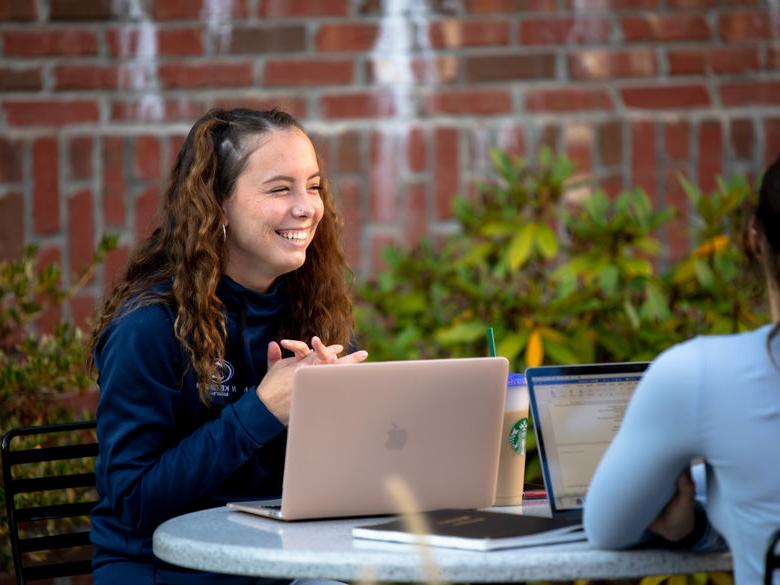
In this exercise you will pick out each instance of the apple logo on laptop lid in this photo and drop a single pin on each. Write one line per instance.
(396, 438)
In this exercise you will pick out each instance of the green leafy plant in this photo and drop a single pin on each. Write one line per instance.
(563, 278)
(38, 370)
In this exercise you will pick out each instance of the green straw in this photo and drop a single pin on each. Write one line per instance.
(491, 340)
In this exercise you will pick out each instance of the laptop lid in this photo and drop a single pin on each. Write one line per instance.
(435, 424)
(577, 410)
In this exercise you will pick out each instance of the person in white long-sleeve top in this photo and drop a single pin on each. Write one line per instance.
(715, 397)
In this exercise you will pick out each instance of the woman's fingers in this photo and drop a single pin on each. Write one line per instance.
(354, 358)
(299, 348)
(274, 354)
(323, 354)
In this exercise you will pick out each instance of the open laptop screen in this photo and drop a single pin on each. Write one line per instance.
(577, 411)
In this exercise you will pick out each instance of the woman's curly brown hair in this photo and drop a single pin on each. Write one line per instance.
(188, 252)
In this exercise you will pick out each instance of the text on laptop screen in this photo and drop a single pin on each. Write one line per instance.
(580, 415)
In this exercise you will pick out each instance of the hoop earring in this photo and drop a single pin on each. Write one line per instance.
(224, 232)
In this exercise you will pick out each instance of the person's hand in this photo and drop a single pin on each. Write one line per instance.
(677, 519)
(275, 390)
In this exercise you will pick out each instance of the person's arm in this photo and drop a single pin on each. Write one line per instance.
(150, 471)
(659, 436)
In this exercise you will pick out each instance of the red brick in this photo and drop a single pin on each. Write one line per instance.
(428, 70)
(171, 42)
(294, 105)
(147, 207)
(773, 58)
(85, 77)
(469, 102)
(702, 4)
(80, 158)
(609, 141)
(677, 141)
(114, 266)
(11, 159)
(644, 163)
(578, 146)
(147, 155)
(416, 216)
(446, 170)
(11, 226)
(50, 112)
(510, 6)
(452, 33)
(346, 37)
(114, 180)
(17, 10)
(80, 10)
(743, 139)
(772, 140)
(606, 64)
(714, 60)
(349, 159)
(665, 27)
(417, 150)
(82, 310)
(567, 100)
(663, 97)
(215, 74)
(750, 93)
(48, 320)
(177, 9)
(745, 26)
(610, 5)
(550, 136)
(49, 43)
(310, 72)
(512, 67)
(20, 79)
(303, 8)
(357, 105)
(388, 153)
(81, 230)
(184, 109)
(710, 162)
(46, 188)
(611, 184)
(348, 192)
(561, 31)
(267, 39)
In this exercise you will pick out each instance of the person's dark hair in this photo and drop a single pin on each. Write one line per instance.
(188, 251)
(767, 217)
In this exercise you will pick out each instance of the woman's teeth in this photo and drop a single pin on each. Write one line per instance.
(293, 235)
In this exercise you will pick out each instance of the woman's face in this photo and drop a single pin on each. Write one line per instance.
(273, 212)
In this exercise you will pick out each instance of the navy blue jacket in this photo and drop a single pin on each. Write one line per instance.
(162, 451)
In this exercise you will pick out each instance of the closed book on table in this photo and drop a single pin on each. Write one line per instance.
(478, 530)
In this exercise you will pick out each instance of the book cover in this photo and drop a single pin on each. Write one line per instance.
(478, 530)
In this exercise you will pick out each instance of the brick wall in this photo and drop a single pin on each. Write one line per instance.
(98, 94)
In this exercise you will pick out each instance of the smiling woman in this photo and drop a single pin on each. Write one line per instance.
(194, 389)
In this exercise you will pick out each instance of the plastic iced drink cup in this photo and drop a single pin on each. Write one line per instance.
(511, 465)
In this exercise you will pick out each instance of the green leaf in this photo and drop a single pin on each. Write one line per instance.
(609, 278)
(520, 247)
(560, 353)
(546, 241)
(631, 313)
(461, 333)
(512, 344)
(704, 273)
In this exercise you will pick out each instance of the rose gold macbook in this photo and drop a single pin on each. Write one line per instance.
(435, 424)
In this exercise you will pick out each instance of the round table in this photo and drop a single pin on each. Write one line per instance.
(223, 541)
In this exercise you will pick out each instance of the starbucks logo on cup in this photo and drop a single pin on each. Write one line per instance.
(517, 436)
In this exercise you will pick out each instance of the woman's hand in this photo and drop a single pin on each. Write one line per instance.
(677, 519)
(275, 390)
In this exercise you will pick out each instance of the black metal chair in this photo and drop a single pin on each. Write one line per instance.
(772, 562)
(50, 540)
